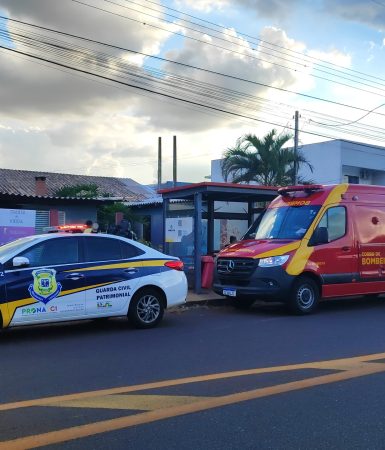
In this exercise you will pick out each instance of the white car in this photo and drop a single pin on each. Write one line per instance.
(61, 276)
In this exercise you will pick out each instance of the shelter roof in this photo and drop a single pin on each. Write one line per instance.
(229, 192)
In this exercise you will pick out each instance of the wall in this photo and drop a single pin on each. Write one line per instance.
(363, 156)
(216, 171)
(78, 213)
(73, 213)
(379, 178)
(325, 157)
(332, 161)
(155, 214)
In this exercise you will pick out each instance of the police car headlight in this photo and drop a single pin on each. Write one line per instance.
(273, 261)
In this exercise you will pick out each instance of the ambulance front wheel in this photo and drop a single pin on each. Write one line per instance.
(304, 296)
(146, 308)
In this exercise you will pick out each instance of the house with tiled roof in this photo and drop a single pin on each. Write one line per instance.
(47, 184)
(38, 191)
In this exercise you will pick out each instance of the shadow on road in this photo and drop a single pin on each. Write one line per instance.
(325, 306)
(63, 330)
(117, 325)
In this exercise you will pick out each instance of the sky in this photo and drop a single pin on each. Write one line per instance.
(205, 71)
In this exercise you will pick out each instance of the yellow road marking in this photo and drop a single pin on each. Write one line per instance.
(138, 402)
(347, 368)
(336, 364)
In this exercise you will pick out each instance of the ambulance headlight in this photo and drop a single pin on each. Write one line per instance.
(273, 261)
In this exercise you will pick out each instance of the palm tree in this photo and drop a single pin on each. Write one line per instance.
(263, 160)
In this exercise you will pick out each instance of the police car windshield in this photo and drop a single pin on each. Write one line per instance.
(289, 222)
(15, 246)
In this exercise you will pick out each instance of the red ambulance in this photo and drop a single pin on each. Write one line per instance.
(312, 242)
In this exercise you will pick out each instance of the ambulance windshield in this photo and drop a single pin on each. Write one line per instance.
(287, 222)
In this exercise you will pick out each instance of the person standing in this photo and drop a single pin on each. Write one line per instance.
(88, 225)
(95, 228)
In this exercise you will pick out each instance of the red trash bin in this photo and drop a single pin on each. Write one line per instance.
(207, 271)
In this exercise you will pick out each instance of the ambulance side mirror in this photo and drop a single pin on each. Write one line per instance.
(320, 236)
(20, 261)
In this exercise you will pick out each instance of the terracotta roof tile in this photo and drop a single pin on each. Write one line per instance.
(22, 182)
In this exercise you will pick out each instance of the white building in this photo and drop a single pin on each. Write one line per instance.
(335, 162)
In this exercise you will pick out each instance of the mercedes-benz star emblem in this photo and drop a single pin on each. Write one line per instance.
(230, 265)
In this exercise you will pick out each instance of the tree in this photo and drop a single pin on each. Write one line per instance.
(105, 213)
(81, 191)
(264, 161)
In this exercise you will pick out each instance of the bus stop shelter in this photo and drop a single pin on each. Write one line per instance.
(194, 214)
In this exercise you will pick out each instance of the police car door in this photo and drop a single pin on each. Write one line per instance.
(50, 288)
(114, 270)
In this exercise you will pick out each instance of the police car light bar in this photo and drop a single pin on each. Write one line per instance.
(74, 228)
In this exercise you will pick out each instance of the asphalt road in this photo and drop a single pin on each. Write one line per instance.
(266, 380)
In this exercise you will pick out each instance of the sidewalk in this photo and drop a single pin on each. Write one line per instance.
(206, 296)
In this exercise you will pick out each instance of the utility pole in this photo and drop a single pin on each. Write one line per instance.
(159, 162)
(296, 119)
(174, 162)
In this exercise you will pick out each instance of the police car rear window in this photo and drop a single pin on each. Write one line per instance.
(109, 249)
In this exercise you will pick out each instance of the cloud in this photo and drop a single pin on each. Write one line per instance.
(360, 11)
(76, 18)
(272, 9)
(28, 87)
(333, 56)
(56, 120)
(204, 5)
(97, 147)
(232, 55)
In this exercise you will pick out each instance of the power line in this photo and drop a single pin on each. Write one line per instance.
(122, 87)
(262, 43)
(348, 123)
(161, 93)
(262, 40)
(87, 56)
(221, 94)
(232, 51)
(190, 66)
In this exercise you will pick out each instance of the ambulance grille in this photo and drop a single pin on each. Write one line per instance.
(240, 268)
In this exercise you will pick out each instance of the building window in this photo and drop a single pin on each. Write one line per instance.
(351, 179)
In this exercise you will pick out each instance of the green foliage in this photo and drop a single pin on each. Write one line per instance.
(81, 191)
(263, 160)
(106, 214)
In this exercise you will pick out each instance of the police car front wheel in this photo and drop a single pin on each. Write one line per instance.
(146, 308)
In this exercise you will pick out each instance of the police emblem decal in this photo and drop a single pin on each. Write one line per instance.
(45, 287)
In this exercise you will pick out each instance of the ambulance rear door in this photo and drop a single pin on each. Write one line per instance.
(370, 225)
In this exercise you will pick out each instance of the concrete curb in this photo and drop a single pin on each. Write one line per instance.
(207, 297)
(209, 302)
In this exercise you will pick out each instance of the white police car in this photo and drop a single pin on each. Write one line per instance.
(61, 276)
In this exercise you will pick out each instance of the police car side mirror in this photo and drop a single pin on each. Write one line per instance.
(320, 236)
(20, 261)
